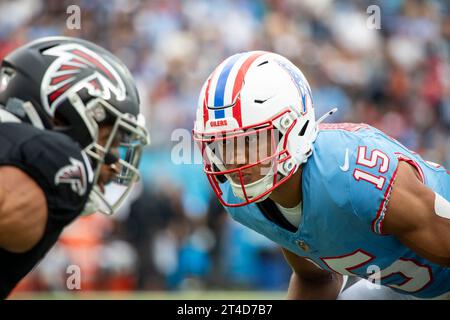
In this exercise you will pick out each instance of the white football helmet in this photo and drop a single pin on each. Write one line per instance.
(262, 101)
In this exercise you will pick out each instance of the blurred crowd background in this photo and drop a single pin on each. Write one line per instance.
(172, 234)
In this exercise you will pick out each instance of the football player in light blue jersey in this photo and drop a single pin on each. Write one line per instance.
(340, 199)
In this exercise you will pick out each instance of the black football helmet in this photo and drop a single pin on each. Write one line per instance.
(75, 87)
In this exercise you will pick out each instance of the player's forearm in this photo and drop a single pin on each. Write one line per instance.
(321, 289)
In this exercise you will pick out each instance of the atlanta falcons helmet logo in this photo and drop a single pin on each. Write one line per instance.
(76, 67)
(73, 174)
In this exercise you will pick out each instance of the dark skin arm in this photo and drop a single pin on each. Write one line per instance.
(23, 210)
(310, 282)
(412, 219)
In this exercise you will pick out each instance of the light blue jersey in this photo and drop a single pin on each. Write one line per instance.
(346, 186)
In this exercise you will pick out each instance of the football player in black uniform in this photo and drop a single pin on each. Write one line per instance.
(71, 137)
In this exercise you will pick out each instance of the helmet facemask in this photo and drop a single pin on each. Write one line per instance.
(119, 153)
(254, 160)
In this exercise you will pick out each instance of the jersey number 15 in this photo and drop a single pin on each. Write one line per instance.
(371, 161)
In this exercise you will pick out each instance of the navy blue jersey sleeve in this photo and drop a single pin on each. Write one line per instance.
(373, 164)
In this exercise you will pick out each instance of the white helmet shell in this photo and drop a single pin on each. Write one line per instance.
(254, 88)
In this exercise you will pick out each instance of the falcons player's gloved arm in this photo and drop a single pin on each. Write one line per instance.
(419, 217)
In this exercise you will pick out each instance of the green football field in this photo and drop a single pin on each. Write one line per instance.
(155, 295)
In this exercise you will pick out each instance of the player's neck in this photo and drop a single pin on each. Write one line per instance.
(289, 194)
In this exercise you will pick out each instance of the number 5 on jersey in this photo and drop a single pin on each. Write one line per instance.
(371, 161)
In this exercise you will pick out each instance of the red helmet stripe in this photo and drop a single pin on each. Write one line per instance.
(205, 100)
(59, 92)
(60, 79)
(68, 67)
(78, 61)
(238, 85)
(95, 62)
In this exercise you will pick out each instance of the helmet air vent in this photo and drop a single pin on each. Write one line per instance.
(263, 63)
(302, 132)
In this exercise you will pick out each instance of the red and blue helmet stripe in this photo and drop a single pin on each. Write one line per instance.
(223, 86)
(221, 83)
